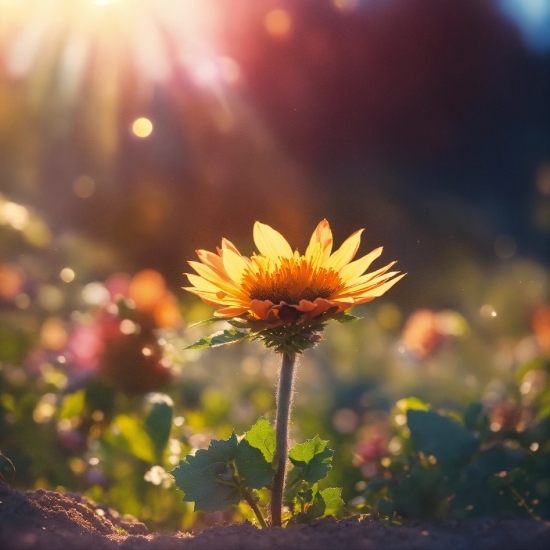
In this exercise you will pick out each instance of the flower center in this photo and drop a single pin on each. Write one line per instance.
(291, 281)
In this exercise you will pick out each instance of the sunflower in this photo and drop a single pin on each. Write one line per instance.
(281, 287)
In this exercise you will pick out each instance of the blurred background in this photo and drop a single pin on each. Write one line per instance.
(134, 132)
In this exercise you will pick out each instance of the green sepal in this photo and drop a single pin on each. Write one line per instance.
(347, 318)
(312, 460)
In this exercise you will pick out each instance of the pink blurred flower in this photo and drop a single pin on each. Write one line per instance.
(86, 345)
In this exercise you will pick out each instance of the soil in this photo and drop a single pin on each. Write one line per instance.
(45, 520)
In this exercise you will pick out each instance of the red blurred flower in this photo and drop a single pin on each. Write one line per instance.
(540, 321)
(368, 453)
(421, 334)
(508, 416)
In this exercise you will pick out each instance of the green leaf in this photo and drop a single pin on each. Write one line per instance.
(220, 338)
(312, 460)
(159, 420)
(252, 467)
(72, 405)
(227, 337)
(206, 322)
(437, 435)
(324, 502)
(384, 506)
(317, 508)
(347, 318)
(472, 414)
(207, 479)
(126, 433)
(223, 449)
(332, 498)
(411, 403)
(493, 461)
(262, 436)
(200, 344)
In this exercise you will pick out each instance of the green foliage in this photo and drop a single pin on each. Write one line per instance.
(126, 433)
(312, 460)
(222, 474)
(332, 497)
(208, 478)
(72, 405)
(448, 469)
(318, 504)
(262, 436)
(441, 437)
(230, 470)
(253, 468)
(159, 420)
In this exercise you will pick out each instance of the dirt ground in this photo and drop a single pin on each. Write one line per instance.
(45, 520)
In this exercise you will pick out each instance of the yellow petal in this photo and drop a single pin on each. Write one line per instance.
(234, 265)
(271, 243)
(230, 311)
(214, 291)
(345, 253)
(219, 279)
(208, 297)
(358, 267)
(209, 258)
(377, 290)
(226, 243)
(353, 290)
(322, 236)
(202, 284)
(211, 274)
(372, 275)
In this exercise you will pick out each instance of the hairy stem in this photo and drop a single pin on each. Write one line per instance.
(284, 401)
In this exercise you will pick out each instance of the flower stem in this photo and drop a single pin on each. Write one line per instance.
(284, 402)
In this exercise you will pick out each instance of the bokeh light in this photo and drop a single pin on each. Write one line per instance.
(12, 280)
(505, 246)
(278, 23)
(53, 334)
(67, 275)
(142, 127)
(147, 289)
(84, 187)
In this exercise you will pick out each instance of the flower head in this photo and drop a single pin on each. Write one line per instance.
(279, 286)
